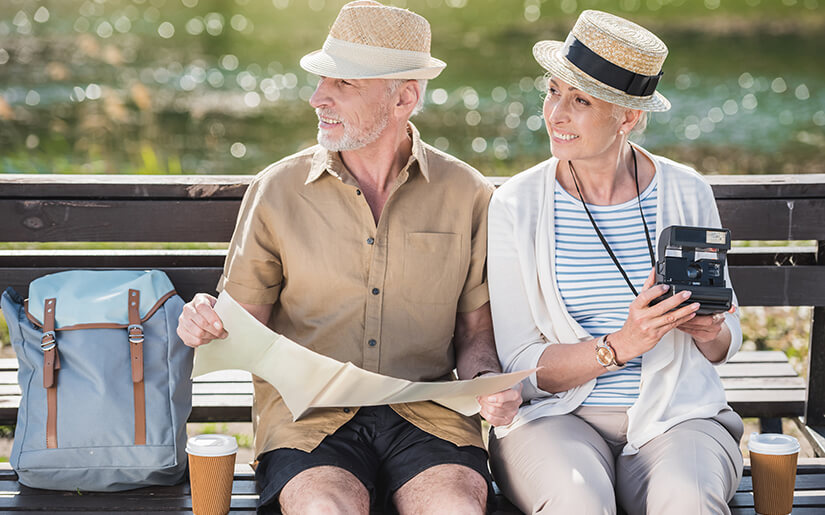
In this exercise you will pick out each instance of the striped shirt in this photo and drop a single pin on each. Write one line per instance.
(593, 289)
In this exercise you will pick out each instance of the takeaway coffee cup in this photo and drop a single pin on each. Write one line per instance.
(773, 470)
(211, 469)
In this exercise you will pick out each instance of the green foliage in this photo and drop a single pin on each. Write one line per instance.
(779, 328)
(4, 332)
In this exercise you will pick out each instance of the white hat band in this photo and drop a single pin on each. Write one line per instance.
(381, 60)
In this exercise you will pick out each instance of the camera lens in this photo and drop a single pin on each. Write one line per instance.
(694, 271)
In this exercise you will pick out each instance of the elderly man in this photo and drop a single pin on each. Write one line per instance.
(369, 247)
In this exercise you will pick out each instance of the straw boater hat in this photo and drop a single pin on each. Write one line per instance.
(372, 41)
(610, 58)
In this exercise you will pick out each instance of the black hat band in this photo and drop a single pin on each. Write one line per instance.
(608, 73)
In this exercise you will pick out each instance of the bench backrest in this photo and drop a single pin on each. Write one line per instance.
(198, 209)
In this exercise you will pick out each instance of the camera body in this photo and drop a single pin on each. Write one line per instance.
(693, 258)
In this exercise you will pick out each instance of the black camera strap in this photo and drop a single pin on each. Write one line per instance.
(599, 233)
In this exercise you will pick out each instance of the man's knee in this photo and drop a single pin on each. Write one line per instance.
(324, 490)
(445, 488)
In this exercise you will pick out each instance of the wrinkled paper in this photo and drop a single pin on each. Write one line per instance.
(306, 379)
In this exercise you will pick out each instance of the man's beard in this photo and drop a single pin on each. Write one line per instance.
(353, 138)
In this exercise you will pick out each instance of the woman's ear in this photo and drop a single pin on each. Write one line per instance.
(629, 120)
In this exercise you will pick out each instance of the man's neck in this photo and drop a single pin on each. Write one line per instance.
(377, 165)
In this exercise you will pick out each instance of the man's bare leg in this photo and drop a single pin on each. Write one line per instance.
(324, 490)
(449, 488)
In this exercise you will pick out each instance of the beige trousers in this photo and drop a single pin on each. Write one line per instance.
(571, 464)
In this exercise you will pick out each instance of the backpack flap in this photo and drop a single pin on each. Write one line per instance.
(97, 298)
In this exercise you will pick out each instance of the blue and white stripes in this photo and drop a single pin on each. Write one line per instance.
(593, 289)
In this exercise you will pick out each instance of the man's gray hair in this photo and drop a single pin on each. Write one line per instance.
(394, 84)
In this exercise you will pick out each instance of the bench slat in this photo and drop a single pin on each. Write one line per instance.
(809, 496)
(755, 285)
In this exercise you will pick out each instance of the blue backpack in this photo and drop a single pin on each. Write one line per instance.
(105, 380)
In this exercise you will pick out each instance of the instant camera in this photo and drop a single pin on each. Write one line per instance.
(693, 258)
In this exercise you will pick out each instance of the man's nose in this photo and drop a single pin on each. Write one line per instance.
(320, 97)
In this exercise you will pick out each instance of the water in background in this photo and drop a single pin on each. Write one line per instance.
(214, 86)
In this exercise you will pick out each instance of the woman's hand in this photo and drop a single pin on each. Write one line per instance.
(705, 328)
(711, 334)
(646, 324)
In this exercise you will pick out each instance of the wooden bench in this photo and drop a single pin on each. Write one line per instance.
(178, 210)
(809, 497)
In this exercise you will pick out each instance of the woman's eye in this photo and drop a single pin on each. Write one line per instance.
(582, 101)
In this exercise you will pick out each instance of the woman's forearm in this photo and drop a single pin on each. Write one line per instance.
(565, 366)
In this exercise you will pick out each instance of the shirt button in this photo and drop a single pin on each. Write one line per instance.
(357, 192)
(370, 241)
(372, 343)
(376, 291)
(346, 410)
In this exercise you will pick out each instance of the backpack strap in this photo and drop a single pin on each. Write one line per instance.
(51, 363)
(135, 331)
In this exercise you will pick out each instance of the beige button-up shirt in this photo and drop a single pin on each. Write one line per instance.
(384, 297)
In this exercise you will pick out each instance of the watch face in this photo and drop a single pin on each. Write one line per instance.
(605, 356)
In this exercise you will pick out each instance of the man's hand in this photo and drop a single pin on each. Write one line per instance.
(199, 324)
(500, 408)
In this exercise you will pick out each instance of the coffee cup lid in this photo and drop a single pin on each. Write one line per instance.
(773, 443)
(211, 445)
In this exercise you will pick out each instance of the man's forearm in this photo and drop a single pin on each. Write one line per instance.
(475, 347)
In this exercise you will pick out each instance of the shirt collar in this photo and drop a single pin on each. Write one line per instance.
(325, 161)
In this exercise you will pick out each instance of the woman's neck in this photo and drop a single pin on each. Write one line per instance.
(607, 179)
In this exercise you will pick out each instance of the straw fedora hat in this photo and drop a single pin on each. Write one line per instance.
(610, 58)
(373, 41)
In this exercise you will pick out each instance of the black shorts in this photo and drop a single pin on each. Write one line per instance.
(377, 446)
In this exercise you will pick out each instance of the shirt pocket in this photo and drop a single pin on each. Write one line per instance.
(432, 261)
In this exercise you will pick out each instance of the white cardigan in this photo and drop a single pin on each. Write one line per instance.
(677, 382)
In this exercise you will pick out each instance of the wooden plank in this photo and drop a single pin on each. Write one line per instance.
(764, 383)
(229, 376)
(187, 281)
(212, 186)
(767, 404)
(752, 356)
(779, 218)
(756, 370)
(779, 286)
(125, 186)
(118, 220)
(154, 258)
(755, 286)
(785, 208)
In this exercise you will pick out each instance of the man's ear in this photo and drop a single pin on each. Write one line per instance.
(408, 95)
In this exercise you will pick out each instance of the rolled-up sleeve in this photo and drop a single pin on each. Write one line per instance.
(519, 341)
(474, 293)
(252, 273)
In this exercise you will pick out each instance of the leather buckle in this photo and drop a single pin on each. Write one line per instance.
(48, 341)
(137, 335)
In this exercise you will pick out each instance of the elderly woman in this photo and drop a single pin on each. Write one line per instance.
(626, 407)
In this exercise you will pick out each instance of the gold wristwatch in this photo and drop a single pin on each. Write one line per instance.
(606, 355)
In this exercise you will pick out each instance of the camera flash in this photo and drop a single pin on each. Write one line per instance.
(715, 237)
